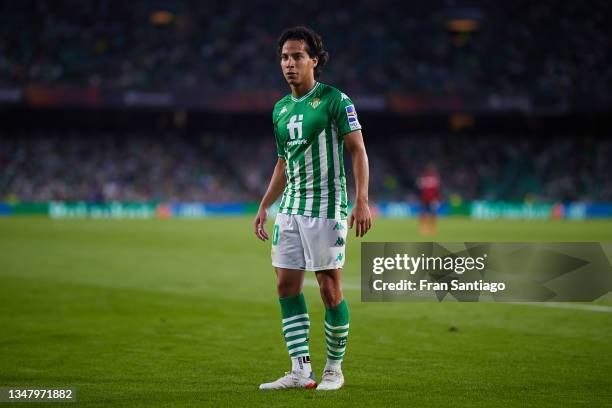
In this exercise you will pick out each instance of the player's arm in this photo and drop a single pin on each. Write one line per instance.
(360, 216)
(275, 188)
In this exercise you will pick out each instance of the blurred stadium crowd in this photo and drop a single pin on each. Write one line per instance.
(225, 168)
(548, 50)
(544, 48)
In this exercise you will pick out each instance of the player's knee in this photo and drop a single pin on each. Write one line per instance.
(286, 288)
(330, 292)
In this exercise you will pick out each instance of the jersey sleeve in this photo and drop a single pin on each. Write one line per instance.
(280, 149)
(344, 113)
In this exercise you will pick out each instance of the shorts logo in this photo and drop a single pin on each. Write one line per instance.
(340, 241)
(340, 256)
(338, 227)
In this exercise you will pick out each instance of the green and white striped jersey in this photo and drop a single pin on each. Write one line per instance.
(309, 134)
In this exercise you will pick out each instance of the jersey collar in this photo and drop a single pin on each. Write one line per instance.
(307, 94)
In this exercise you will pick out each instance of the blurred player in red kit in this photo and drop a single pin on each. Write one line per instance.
(429, 184)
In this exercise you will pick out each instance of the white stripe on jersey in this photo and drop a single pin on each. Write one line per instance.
(324, 174)
(309, 180)
(287, 192)
(296, 183)
(283, 203)
(336, 170)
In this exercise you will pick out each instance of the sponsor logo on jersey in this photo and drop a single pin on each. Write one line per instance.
(283, 110)
(297, 142)
(294, 126)
(351, 115)
(315, 103)
(343, 96)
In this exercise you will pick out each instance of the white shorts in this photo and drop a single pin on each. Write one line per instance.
(308, 243)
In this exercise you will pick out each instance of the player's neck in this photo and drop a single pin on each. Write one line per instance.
(302, 89)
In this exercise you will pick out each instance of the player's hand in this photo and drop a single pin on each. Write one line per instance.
(259, 223)
(361, 218)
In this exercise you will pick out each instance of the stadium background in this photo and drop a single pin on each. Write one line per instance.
(160, 111)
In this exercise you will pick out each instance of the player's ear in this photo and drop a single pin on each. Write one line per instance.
(315, 62)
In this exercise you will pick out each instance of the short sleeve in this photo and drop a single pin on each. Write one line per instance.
(280, 149)
(344, 114)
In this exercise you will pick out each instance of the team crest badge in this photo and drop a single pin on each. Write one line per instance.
(315, 103)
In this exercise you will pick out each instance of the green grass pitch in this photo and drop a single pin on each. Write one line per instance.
(184, 313)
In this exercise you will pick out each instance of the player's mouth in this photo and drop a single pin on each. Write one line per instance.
(291, 74)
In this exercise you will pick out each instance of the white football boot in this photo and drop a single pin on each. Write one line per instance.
(291, 380)
(331, 380)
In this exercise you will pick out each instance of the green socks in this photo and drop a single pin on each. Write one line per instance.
(296, 327)
(336, 334)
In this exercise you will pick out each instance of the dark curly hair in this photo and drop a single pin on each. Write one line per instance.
(314, 45)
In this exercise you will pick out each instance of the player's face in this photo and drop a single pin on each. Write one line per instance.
(296, 64)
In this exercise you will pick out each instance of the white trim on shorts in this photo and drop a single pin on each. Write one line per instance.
(317, 269)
